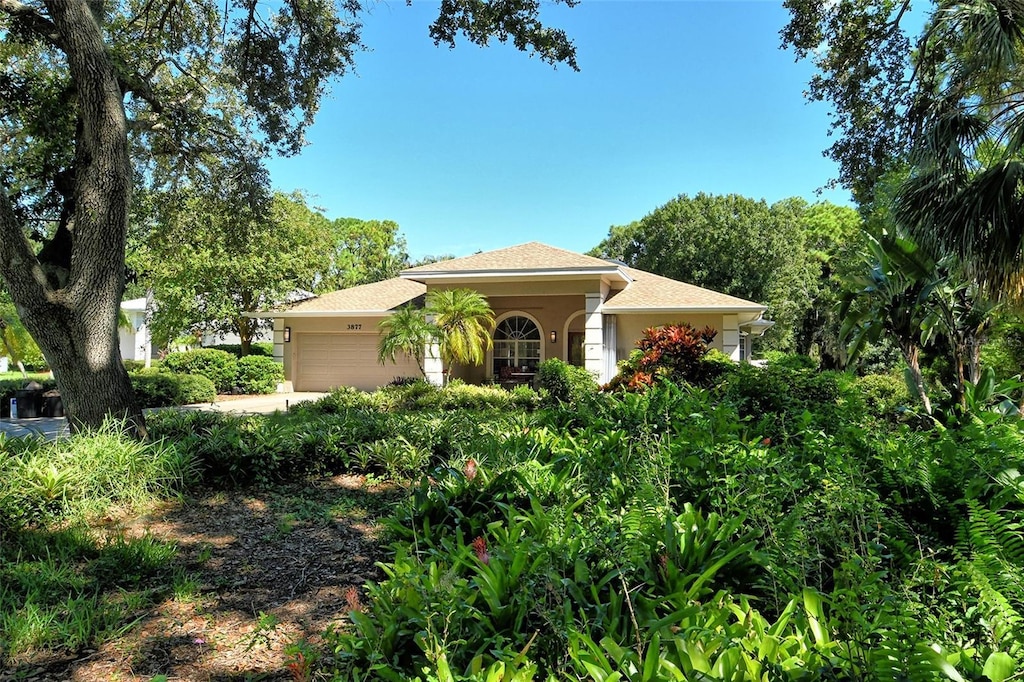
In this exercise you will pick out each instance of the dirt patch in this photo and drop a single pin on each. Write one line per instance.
(262, 571)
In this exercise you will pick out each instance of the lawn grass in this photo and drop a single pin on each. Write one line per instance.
(17, 376)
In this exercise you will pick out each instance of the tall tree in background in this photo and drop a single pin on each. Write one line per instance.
(946, 99)
(364, 251)
(732, 244)
(87, 90)
(832, 238)
(212, 258)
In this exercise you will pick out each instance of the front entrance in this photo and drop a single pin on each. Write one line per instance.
(576, 348)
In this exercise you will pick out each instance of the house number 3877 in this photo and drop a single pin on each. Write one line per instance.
(355, 327)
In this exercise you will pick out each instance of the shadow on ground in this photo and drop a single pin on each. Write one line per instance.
(266, 569)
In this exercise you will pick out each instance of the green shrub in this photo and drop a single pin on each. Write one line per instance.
(216, 365)
(883, 394)
(525, 398)
(777, 358)
(259, 349)
(782, 398)
(713, 368)
(459, 395)
(340, 400)
(565, 383)
(157, 388)
(258, 374)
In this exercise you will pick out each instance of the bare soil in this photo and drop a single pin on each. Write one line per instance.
(269, 570)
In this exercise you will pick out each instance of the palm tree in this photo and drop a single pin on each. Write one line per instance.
(965, 195)
(917, 300)
(405, 331)
(463, 319)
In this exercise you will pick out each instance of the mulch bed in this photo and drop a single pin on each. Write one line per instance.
(272, 569)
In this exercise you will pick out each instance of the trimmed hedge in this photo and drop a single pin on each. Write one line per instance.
(260, 348)
(156, 388)
(218, 366)
(257, 374)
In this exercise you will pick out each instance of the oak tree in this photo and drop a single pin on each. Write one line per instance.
(96, 97)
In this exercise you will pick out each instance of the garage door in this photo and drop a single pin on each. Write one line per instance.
(325, 361)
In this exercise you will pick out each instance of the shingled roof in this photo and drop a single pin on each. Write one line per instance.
(529, 257)
(648, 291)
(379, 297)
(644, 291)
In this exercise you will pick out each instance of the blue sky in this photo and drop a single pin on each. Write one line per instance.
(478, 148)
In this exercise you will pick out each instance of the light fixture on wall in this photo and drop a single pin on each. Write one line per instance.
(287, 334)
(554, 336)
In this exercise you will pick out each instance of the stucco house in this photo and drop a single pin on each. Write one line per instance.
(547, 302)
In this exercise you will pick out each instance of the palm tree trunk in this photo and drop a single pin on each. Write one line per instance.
(911, 353)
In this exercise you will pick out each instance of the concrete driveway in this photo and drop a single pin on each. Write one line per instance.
(252, 404)
(52, 428)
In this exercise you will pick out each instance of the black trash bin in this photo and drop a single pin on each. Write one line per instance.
(29, 403)
(52, 404)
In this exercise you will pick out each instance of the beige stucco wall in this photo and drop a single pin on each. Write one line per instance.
(525, 287)
(630, 328)
(345, 325)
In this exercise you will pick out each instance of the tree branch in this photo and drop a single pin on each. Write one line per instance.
(17, 257)
(30, 19)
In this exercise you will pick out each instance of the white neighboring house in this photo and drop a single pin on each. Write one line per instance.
(136, 342)
(210, 339)
(263, 334)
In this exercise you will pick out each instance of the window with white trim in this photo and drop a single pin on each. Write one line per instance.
(516, 345)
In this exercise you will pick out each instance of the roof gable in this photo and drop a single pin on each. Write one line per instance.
(378, 297)
(532, 257)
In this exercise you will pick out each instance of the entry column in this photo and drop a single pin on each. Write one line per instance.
(593, 337)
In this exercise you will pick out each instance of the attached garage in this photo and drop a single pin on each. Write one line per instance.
(324, 361)
(331, 341)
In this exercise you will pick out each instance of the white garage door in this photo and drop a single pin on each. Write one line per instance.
(325, 361)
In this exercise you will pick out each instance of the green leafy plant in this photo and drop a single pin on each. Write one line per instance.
(565, 383)
(256, 374)
(216, 365)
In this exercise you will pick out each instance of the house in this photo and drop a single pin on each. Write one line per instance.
(547, 302)
(134, 338)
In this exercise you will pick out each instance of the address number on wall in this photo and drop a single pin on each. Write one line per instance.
(354, 327)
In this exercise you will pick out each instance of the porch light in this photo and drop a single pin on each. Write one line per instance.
(287, 334)
(554, 336)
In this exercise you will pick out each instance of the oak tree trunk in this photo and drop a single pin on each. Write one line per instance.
(69, 297)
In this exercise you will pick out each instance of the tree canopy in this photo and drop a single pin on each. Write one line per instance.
(362, 252)
(97, 98)
(732, 244)
(210, 260)
(945, 99)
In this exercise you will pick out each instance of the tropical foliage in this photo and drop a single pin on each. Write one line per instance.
(464, 321)
(458, 321)
(405, 331)
(778, 525)
(956, 119)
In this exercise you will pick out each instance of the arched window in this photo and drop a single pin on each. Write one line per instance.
(516, 345)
